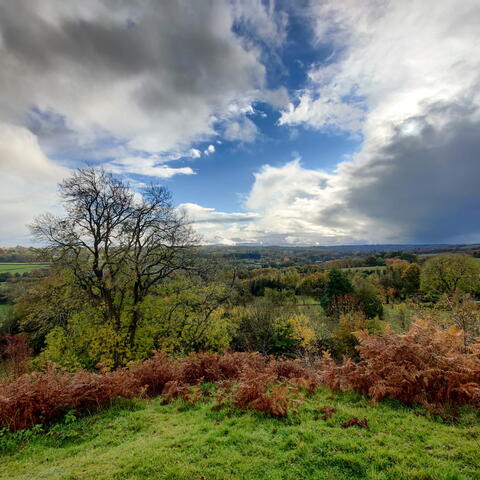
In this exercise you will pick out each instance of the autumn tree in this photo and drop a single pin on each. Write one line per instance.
(451, 272)
(465, 313)
(313, 285)
(117, 244)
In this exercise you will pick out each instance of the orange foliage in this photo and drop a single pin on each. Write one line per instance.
(427, 365)
(15, 354)
(249, 380)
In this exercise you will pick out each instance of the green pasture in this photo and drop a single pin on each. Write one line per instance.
(148, 440)
(20, 268)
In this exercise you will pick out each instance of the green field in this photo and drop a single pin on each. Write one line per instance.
(20, 267)
(366, 269)
(147, 440)
(4, 308)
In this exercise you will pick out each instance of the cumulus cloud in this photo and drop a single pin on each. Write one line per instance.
(145, 82)
(155, 75)
(209, 150)
(29, 181)
(140, 82)
(404, 75)
(388, 60)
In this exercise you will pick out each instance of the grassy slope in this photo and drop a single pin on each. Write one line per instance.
(147, 440)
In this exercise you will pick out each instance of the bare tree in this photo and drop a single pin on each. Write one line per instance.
(118, 244)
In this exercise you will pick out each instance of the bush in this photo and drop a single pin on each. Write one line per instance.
(371, 303)
(266, 328)
(15, 355)
(427, 365)
(42, 397)
(249, 380)
(345, 340)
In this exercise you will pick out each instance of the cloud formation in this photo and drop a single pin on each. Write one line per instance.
(154, 75)
(405, 77)
(28, 182)
(138, 82)
(139, 85)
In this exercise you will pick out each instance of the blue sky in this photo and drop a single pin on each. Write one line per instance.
(272, 122)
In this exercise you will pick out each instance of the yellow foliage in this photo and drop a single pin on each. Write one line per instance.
(302, 330)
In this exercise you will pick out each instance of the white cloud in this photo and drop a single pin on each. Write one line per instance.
(209, 150)
(195, 153)
(140, 82)
(405, 76)
(150, 79)
(243, 129)
(262, 19)
(389, 60)
(148, 166)
(29, 181)
(154, 75)
(210, 216)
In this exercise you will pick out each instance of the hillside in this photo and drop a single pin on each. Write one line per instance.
(148, 440)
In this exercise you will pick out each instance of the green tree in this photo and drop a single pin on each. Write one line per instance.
(313, 285)
(338, 292)
(370, 300)
(266, 328)
(118, 245)
(411, 279)
(449, 273)
(47, 303)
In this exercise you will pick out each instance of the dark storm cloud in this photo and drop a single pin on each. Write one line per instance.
(426, 180)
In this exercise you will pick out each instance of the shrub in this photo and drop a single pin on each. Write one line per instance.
(45, 396)
(15, 355)
(264, 327)
(258, 391)
(371, 303)
(427, 365)
(249, 380)
(345, 340)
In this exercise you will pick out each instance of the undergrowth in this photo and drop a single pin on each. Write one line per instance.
(428, 365)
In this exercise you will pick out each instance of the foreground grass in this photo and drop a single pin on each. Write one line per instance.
(148, 440)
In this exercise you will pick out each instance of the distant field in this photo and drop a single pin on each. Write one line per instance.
(365, 269)
(20, 267)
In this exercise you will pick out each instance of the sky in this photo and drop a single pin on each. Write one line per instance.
(306, 122)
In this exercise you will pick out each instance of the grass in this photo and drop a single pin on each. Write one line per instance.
(20, 267)
(400, 315)
(148, 440)
(4, 308)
